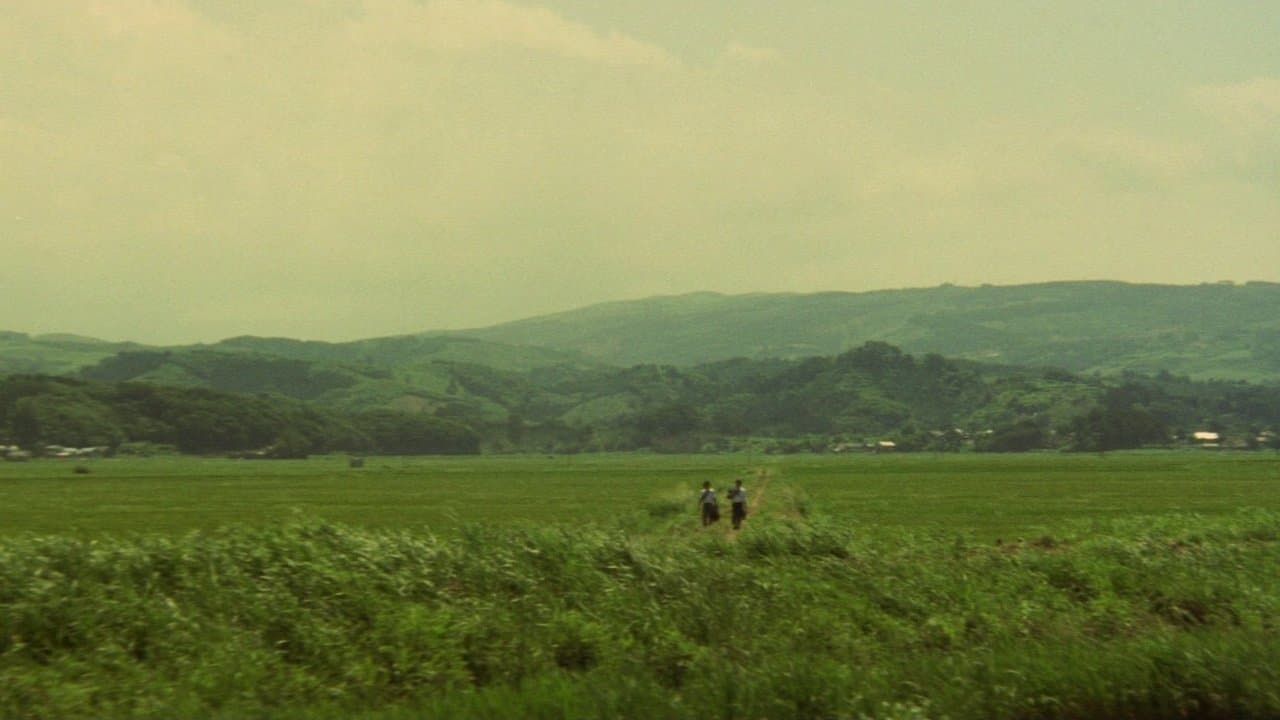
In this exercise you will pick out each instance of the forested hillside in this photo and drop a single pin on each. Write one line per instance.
(426, 386)
(179, 364)
(1090, 365)
(134, 417)
(53, 354)
(1216, 330)
(872, 394)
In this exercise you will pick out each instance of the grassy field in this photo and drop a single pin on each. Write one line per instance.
(988, 496)
(898, 587)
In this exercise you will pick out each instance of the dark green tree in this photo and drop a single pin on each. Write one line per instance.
(25, 423)
(1019, 437)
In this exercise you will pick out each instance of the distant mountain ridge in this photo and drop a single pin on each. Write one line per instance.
(1207, 331)
(63, 354)
(54, 354)
(1218, 330)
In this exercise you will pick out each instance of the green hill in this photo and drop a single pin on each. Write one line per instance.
(1058, 364)
(38, 410)
(405, 351)
(1216, 330)
(414, 374)
(53, 354)
(1219, 330)
(65, 354)
(463, 379)
(419, 385)
(874, 392)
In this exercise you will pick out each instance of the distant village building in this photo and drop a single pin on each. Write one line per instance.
(62, 451)
(1206, 439)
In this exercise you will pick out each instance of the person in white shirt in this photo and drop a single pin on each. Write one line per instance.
(738, 495)
(707, 501)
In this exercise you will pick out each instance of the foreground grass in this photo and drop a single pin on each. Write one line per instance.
(1158, 617)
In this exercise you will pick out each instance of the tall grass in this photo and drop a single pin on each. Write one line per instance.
(1173, 616)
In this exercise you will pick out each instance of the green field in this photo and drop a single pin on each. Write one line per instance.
(896, 587)
(988, 496)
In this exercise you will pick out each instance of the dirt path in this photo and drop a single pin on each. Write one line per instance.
(757, 500)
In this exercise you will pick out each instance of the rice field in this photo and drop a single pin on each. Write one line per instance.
(988, 496)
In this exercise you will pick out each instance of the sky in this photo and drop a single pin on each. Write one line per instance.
(178, 171)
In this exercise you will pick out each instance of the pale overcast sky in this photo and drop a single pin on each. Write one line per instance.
(188, 170)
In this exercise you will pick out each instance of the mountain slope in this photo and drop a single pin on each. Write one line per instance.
(36, 410)
(53, 354)
(403, 351)
(1208, 331)
(1221, 331)
(406, 354)
(869, 392)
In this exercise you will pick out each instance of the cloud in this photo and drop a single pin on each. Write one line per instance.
(348, 168)
(185, 163)
(1249, 112)
(1249, 105)
(1131, 154)
(468, 26)
(941, 175)
(749, 55)
(142, 17)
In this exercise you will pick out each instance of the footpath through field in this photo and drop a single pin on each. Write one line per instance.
(756, 506)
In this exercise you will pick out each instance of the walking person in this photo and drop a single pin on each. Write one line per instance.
(738, 496)
(707, 501)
